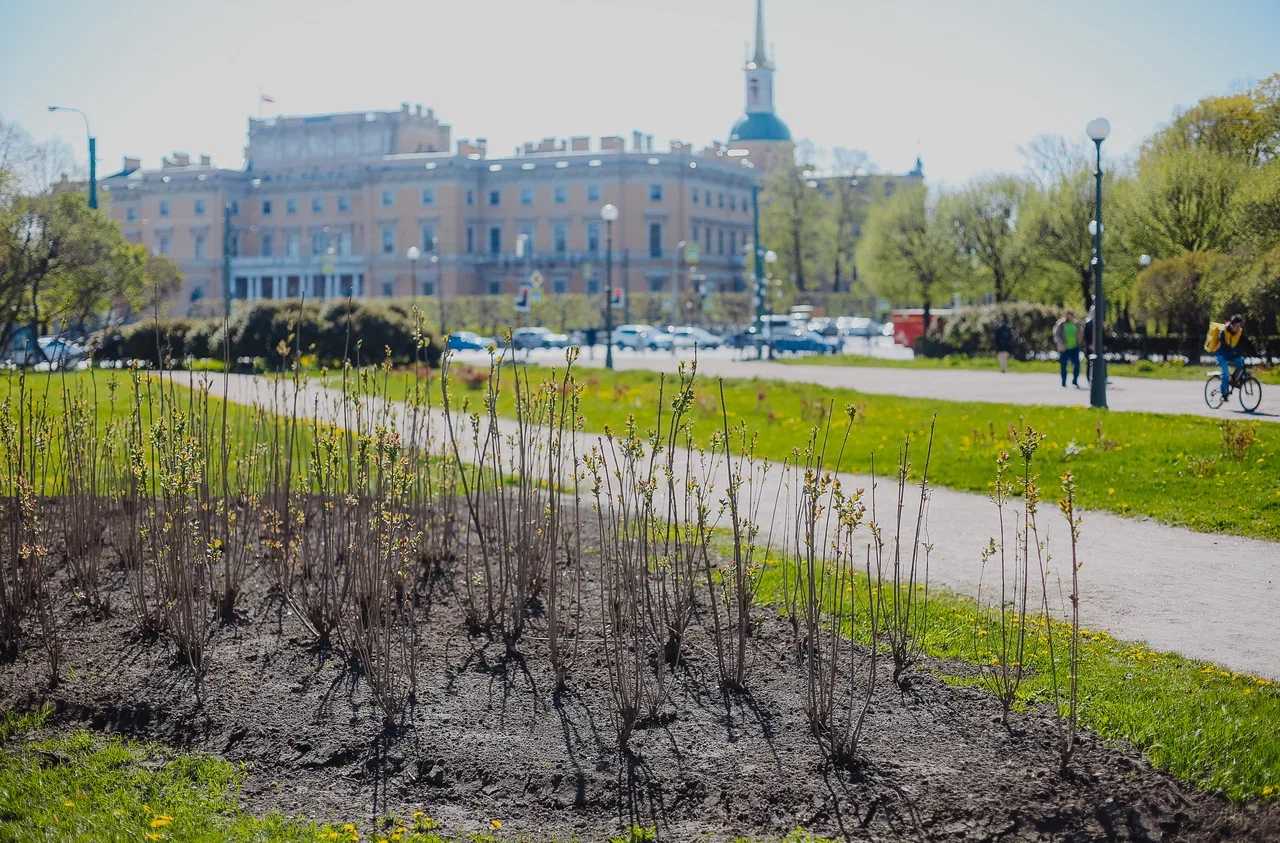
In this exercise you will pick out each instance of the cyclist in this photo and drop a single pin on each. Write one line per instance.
(1227, 342)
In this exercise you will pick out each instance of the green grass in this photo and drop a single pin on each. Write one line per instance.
(1207, 726)
(109, 399)
(987, 363)
(1176, 469)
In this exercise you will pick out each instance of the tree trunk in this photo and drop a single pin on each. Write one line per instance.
(928, 313)
(796, 244)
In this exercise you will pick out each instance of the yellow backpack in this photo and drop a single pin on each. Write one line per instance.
(1213, 339)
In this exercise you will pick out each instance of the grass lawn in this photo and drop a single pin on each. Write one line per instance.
(1208, 726)
(987, 363)
(1209, 475)
(108, 401)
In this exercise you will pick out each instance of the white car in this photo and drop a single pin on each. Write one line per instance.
(632, 336)
(689, 336)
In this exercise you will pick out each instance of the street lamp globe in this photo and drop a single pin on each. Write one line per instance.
(413, 253)
(1144, 260)
(771, 256)
(609, 213)
(1098, 129)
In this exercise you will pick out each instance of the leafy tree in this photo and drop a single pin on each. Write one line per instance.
(906, 250)
(1256, 206)
(1182, 201)
(1180, 292)
(983, 218)
(795, 222)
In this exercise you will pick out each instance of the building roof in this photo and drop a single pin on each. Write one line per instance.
(759, 126)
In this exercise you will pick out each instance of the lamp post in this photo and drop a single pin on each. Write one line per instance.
(93, 153)
(770, 258)
(413, 253)
(1098, 129)
(439, 273)
(759, 266)
(609, 213)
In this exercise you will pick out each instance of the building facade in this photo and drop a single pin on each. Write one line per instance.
(330, 205)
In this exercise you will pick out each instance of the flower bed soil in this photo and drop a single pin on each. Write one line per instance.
(487, 740)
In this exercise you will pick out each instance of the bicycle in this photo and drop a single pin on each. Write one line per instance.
(1246, 387)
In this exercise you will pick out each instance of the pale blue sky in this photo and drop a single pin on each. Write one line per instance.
(965, 83)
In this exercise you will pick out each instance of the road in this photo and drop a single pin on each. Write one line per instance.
(1145, 395)
(1207, 596)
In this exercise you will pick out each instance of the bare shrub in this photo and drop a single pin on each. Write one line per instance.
(904, 595)
(1068, 724)
(84, 479)
(1000, 641)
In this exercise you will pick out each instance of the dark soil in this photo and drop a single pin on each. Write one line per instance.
(488, 740)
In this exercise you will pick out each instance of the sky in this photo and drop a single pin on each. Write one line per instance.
(963, 83)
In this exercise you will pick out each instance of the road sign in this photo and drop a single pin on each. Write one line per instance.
(691, 253)
(536, 280)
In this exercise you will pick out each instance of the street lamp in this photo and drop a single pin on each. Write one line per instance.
(439, 273)
(413, 253)
(93, 153)
(609, 213)
(1098, 129)
(770, 258)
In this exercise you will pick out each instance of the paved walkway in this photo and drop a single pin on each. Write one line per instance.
(1207, 596)
(1149, 395)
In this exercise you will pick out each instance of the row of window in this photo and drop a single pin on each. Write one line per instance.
(560, 195)
(294, 286)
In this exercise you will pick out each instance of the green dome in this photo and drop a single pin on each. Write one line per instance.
(760, 126)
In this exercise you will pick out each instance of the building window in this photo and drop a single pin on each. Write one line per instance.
(388, 289)
(291, 205)
(317, 243)
(495, 239)
(559, 285)
(593, 193)
(733, 242)
(199, 207)
(388, 199)
(471, 197)
(560, 237)
(131, 214)
(495, 198)
(267, 242)
(561, 195)
(428, 196)
(319, 286)
(593, 238)
(694, 195)
(707, 233)
(294, 287)
(719, 200)
(696, 232)
(656, 283)
(162, 244)
(655, 193)
(266, 207)
(242, 287)
(655, 239)
(344, 243)
(291, 244)
(344, 204)
(428, 288)
(266, 287)
(428, 238)
(593, 286)
(164, 207)
(198, 246)
(317, 204)
(526, 196)
(471, 239)
(388, 240)
(495, 287)
(733, 202)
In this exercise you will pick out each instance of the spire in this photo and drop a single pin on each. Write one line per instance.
(761, 58)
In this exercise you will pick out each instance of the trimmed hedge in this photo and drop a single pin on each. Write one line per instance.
(972, 330)
(360, 332)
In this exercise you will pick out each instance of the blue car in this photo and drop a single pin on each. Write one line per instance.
(469, 341)
(800, 339)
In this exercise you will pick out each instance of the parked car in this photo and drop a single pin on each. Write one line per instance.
(62, 353)
(632, 336)
(859, 326)
(689, 336)
(802, 339)
(537, 337)
(470, 341)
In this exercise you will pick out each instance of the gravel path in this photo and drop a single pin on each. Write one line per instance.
(1207, 596)
(1147, 395)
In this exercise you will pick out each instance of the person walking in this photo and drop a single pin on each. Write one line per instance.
(1003, 343)
(1066, 337)
(1088, 346)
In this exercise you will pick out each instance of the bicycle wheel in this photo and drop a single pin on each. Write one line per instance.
(1213, 391)
(1250, 393)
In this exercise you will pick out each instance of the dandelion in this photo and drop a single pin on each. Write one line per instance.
(495, 824)
(67, 803)
(161, 820)
(152, 835)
